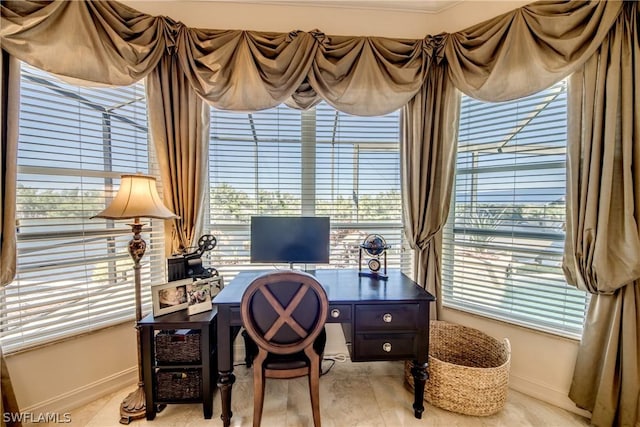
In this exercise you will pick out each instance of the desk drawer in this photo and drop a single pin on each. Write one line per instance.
(339, 313)
(387, 317)
(370, 347)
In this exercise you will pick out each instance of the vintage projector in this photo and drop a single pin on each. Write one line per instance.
(374, 247)
(183, 266)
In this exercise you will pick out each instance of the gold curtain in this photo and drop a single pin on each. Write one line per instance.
(602, 251)
(10, 105)
(94, 41)
(9, 112)
(428, 157)
(301, 68)
(527, 50)
(245, 70)
(368, 76)
(179, 123)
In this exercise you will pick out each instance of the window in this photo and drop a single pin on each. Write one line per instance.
(318, 162)
(74, 273)
(504, 239)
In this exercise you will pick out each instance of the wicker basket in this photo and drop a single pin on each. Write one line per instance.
(468, 370)
(178, 346)
(176, 385)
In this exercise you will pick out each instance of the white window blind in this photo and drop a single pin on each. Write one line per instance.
(504, 239)
(74, 273)
(312, 163)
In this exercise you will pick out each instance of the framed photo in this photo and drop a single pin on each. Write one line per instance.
(199, 296)
(170, 297)
(217, 284)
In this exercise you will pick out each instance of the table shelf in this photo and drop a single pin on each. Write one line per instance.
(205, 367)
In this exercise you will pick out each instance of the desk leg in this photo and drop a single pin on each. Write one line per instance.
(225, 362)
(225, 385)
(420, 375)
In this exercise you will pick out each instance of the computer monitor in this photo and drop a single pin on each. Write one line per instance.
(290, 239)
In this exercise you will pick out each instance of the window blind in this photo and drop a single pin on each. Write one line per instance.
(74, 274)
(319, 162)
(504, 239)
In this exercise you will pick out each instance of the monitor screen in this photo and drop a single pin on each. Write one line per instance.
(290, 239)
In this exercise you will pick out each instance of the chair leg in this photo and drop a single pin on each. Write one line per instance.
(314, 388)
(258, 388)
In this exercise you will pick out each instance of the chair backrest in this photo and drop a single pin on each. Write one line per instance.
(284, 311)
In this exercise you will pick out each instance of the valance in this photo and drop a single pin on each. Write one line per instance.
(510, 56)
(368, 76)
(100, 42)
(529, 49)
(245, 70)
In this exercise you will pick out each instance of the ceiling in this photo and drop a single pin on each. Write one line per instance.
(421, 6)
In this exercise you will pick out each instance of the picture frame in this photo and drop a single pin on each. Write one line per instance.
(199, 296)
(217, 284)
(170, 297)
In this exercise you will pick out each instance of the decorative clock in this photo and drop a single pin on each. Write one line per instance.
(374, 248)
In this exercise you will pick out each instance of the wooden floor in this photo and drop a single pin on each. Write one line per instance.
(351, 394)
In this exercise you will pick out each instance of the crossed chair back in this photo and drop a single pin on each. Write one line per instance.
(284, 312)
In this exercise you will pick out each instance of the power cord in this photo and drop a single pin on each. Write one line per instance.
(333, 359)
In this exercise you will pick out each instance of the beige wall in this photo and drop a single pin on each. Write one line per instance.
(541, 363)
(73, 372)
(336, 21)
(68, 374)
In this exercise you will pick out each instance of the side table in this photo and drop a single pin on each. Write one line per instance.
(205, 367)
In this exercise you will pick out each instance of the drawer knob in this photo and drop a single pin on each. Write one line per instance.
(386, 347)
(335, 313)
(387, 318)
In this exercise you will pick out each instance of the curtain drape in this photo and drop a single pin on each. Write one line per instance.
(179, 123)
(428, 155)
(527, 50)
(301, 68)
(9, 113)
(10, 106)
(368, 76)
(602, 252)
(118, 45)
(245, 70)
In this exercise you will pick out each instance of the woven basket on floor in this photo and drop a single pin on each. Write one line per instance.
(468, 370)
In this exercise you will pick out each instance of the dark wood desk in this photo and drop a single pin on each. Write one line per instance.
(381, 319)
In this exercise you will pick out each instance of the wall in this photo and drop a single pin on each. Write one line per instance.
(71, 373)
(541, 363)
(330, 20)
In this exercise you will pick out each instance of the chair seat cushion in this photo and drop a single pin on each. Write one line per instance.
(286, 362)
(295, 360)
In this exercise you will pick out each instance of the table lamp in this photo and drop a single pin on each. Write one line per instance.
(137, 197)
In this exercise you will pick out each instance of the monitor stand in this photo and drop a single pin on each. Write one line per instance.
(311, 271)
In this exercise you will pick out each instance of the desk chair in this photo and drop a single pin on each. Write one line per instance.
(284, 313)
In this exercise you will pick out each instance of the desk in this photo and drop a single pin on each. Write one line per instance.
(381, 319)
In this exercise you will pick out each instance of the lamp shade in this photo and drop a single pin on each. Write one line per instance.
(137, 197)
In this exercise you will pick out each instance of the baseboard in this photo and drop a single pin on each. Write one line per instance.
(545, 393)
(81, 396)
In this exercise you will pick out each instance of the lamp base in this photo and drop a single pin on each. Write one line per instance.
(133, 407)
